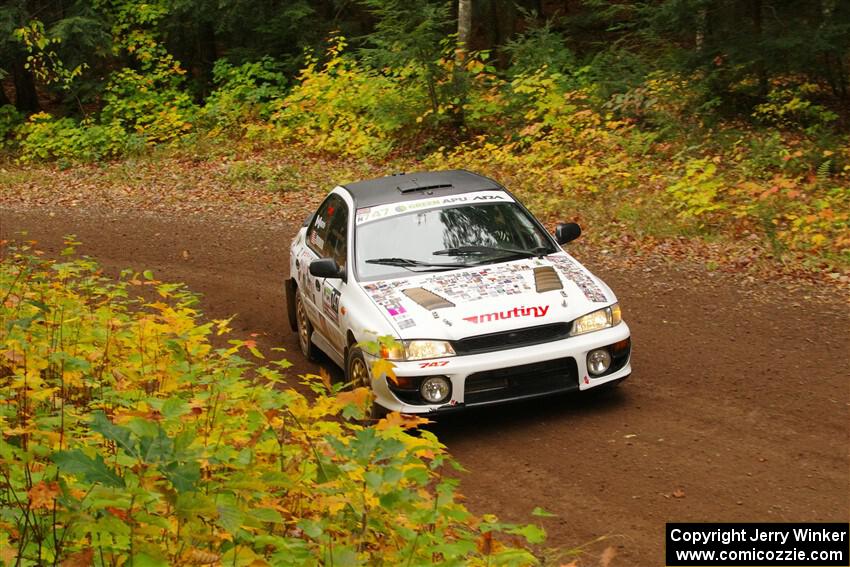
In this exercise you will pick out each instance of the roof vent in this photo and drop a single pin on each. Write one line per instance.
(414, 185)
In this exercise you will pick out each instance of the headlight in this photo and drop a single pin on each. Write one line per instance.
(601, 319)
(419, 349)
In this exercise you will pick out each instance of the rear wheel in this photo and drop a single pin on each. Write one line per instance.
(357, 374)
(305, 329)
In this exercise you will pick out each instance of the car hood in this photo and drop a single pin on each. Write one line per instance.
(488, 299)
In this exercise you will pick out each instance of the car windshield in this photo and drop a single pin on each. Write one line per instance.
(446, 239)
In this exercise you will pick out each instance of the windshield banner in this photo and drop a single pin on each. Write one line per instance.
(370, 214)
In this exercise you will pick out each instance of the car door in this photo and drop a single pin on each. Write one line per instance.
(336, 247)
(326, 237)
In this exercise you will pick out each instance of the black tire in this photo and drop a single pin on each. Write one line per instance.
(357, 375)
(304, 329)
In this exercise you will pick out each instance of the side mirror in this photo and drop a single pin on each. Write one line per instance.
(567, 232)
(326, 268)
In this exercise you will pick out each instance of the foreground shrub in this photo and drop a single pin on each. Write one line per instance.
(128, 438)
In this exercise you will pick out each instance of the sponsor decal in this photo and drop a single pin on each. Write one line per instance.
(434, 364)
(534, 311)
(330, 303)
(571, 271)
(384, 293)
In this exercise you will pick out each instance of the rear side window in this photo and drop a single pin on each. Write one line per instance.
(327, 234)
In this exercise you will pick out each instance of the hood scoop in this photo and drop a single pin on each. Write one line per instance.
(546, 279)
(428, 299)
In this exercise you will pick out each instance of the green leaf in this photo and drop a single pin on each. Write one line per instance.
(533, 534)
(538, 511)
(174, 407)
(230, 517)
(92, 470)
(120, 435)
(156, 448)
(183, 477)
(267, 515)
(145, 560)
(311, 528)
(148, 275)
(42, 306)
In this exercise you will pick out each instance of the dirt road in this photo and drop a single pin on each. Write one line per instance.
(737, 409)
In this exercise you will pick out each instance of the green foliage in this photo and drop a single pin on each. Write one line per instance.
(791, 107)
(243, 93)
(539, 47)
(44, 137)
(347, 108)
(42, 58)
(127, 437)
(148, 105)
(697, 191)
(10, 118)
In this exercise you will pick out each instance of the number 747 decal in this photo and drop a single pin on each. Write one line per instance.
(433, 364)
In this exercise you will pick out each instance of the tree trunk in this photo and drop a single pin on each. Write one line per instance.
(207, 54)
(761, 72)
(4, 100)
(26, 98)
(464, 28)
(702, 23)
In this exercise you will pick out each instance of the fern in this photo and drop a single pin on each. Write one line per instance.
(824, 169)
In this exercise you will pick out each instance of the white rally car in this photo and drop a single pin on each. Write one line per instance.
(459, 286)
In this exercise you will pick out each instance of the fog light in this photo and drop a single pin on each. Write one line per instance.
(435, 389)
(598, 361)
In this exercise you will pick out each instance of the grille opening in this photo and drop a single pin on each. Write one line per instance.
(512, 339)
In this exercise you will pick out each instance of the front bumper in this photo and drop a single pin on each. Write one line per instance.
(507, 375)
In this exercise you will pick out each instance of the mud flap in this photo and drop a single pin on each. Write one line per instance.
(291, 290)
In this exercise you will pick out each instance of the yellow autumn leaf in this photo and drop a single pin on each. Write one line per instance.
(384, 366)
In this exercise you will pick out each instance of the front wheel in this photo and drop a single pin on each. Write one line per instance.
(305, 329)
(357, 374)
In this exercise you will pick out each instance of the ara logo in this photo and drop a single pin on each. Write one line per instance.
(535, 311)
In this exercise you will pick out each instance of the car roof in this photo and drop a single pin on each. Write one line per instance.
(401, 187)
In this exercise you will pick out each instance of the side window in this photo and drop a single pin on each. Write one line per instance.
(327, 234)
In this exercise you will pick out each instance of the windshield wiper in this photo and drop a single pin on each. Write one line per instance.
(463, 250)
(410, 264)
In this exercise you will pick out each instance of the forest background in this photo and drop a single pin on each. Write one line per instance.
(706, 120)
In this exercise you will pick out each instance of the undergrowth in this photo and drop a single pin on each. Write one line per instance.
(129, 439)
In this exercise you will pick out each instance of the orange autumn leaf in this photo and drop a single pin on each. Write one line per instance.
(358, 396)
(326, 378)
(196, 556)
(403, 420)
(80, 559)
(607, 556)
(488, 545)
(43, 494)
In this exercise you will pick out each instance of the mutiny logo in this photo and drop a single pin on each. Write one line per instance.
(535, 311)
